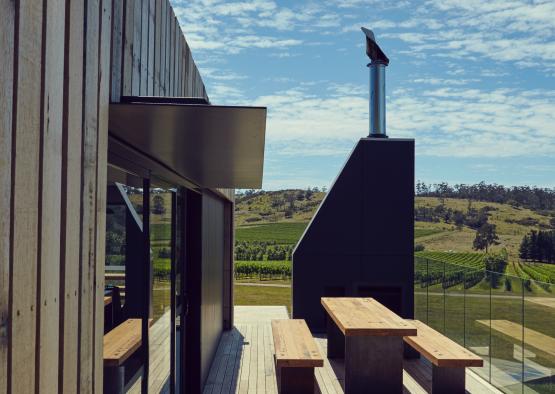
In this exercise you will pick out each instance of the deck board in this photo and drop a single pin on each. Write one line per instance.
(248, 361)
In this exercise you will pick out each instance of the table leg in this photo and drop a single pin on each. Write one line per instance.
(336, 340)
(373, 364)
(114, 379)
(448, 380)
(295, 380)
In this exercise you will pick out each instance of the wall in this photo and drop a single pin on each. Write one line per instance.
(54, 78)
(360, 241)
(213, 242)
(62, 62)
(150, 56)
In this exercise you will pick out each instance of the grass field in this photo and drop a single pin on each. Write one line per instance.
(424, 232)
(257, 295)
(281, 233)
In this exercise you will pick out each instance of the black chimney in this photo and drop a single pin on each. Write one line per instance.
(360, 242)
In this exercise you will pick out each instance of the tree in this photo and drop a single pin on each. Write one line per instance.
(524, 250)
(485, 237)
(458, 218)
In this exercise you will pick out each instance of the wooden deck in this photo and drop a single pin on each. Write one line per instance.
(244, 361)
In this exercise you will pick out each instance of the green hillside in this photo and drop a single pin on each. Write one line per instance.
(280, 217)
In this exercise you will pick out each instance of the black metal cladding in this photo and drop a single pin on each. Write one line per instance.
(361, 240)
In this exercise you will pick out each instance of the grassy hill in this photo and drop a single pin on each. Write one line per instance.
(282, 216)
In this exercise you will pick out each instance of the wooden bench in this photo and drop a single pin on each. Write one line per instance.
(448, 358)
(296, 355)
(119, 345)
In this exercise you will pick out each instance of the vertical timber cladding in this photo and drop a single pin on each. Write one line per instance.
(101, 185)
(24, 236)
(71, 198)
(7, 36)
(48, 270)
(150, 55)
(52, 175)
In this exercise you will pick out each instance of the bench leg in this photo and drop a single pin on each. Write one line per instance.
(336, 340)
(448, 380)
(295, 380)
(373, 364)
(114, 380)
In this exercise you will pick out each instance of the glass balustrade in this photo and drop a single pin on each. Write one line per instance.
(509, 321)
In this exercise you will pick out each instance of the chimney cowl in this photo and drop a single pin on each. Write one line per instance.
(373, 50)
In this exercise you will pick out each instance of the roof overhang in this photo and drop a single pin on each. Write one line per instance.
(212, 146)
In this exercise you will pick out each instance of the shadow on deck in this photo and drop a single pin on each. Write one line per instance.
(244, 361)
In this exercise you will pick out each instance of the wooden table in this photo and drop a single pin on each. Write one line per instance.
(370, 338)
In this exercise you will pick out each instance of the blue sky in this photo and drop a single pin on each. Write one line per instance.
(472, 81)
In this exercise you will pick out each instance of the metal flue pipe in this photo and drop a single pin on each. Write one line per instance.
(377, 65)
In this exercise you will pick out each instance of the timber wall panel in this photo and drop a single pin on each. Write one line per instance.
(144, 48)
(167, 45)
(7, 36)
(88, 230)
(25, 197)
(71, 198)
(150, 55)
(128, 50)
(101, 189)
(151, 27)
(48, 270)
(117, 39)
(136, 47)
(58, 72)
(157, 46)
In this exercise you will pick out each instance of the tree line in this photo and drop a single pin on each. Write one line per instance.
(525, 196)
(472, 217)
(538, 246)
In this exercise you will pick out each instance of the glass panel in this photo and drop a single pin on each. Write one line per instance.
(161, 253)
(506, 333)
(539, 335)
(477, 314)
(454, 302)
(436, 295)
(421, 289)
(124, 271)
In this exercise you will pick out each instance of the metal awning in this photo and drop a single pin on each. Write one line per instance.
(212, 146)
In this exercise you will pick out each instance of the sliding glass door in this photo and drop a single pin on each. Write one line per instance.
(144, 265)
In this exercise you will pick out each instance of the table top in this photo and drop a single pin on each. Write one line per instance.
(365, 317)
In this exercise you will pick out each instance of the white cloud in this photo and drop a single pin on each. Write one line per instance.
(446, 121)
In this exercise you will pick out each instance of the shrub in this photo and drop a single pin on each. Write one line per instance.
(419, 247)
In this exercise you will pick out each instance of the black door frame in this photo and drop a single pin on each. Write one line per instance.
(125, 157)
